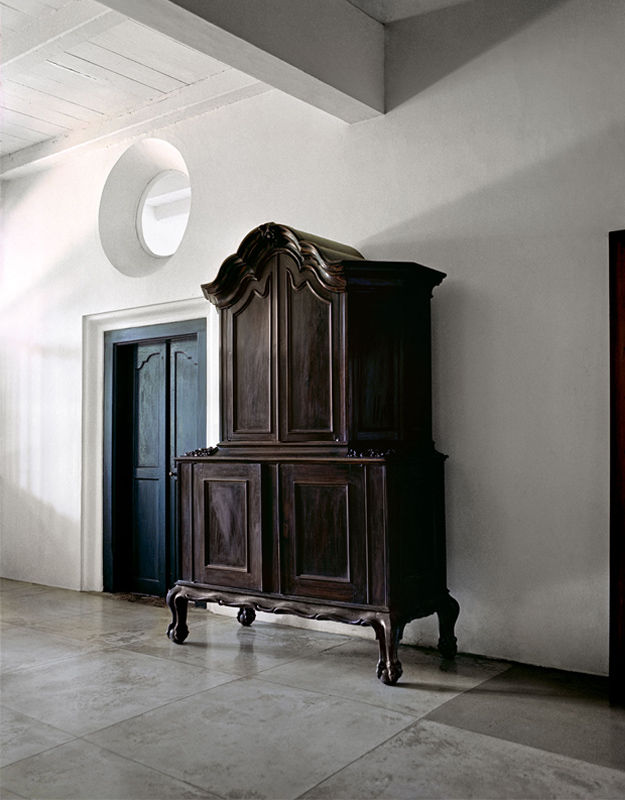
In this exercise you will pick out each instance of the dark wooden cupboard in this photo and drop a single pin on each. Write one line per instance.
(324, 497)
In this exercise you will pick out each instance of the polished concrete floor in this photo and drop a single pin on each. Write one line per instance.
(98, 703)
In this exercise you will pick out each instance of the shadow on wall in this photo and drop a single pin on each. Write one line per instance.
(423, 49)
(520, 392)
(24, 514)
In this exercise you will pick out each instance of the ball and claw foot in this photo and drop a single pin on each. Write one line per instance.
(177, 633)
(246, 616)
(448, 647)
(389, 674)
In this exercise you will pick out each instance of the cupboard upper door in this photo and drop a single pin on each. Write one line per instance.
(323, 531)
(312, 357)
(248, 386)
(227, 524)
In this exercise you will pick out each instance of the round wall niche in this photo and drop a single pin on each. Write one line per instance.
(163, 212)
(145, 206)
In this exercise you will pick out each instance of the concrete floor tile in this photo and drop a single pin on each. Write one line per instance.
(23, 649)
(27, 608)
(22, 736)
(429, 760)
(82, 771)
(253, 739)
(221, 643)
(543, 708)
(349, 671)
(83, 694)
(19, 587)
(6, 794)
(110, 627)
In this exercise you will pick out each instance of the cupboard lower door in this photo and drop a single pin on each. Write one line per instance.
(323, 531)
(227, 525)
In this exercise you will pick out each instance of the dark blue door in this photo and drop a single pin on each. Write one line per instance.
(158, 411)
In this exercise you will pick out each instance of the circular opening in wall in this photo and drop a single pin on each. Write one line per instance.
(163, 212)
(144, 208)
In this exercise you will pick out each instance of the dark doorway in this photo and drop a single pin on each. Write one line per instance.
(155, 409)
(617, 472)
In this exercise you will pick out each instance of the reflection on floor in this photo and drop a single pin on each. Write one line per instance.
(98, 703)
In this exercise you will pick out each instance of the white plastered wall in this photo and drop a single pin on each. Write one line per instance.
(504, 167)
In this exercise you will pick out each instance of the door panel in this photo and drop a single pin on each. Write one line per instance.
(311, 359)
(248, 393)
(227, 524)
(323, 531)
(148, 469)
(321, 551)
(156, 410)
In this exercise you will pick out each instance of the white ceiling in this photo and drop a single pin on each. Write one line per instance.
(76, 72)
(75, 65)
(391, 10)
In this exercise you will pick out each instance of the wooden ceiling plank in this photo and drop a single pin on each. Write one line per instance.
(129, 67)
(93, 75)
(27, 134)
(11, 144)
(11, 103)
(29, 100)
(96, 101)
(228, 87)
(42, 126)
(55, 4)
(159, 52)
(90, 91)
(13, 20)
(31, 8)
(27, 96)
(52, 33)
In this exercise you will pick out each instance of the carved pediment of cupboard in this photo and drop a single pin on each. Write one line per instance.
(311, 253)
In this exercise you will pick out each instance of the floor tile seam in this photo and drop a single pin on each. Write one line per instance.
(41, 752)
(17, 794)
(54, 661)
(147, 766)
(65, 614)
(38, 721)
(378, 706)
(155, 708)
(127, 719)
(358, 758)
(512, 742)
(169, 659)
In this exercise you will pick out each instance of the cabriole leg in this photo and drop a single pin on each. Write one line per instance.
(388, 633)
(177, 630)
(447, 612)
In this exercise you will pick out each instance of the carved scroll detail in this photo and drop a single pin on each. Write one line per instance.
(322, 256)
(201, 452)
(275, 605)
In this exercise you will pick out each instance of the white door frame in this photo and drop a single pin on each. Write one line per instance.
(93, 329)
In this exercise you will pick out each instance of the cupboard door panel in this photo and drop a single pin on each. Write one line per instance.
(227, 524)
(311, 370)
(323, 531)
(248, 392)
